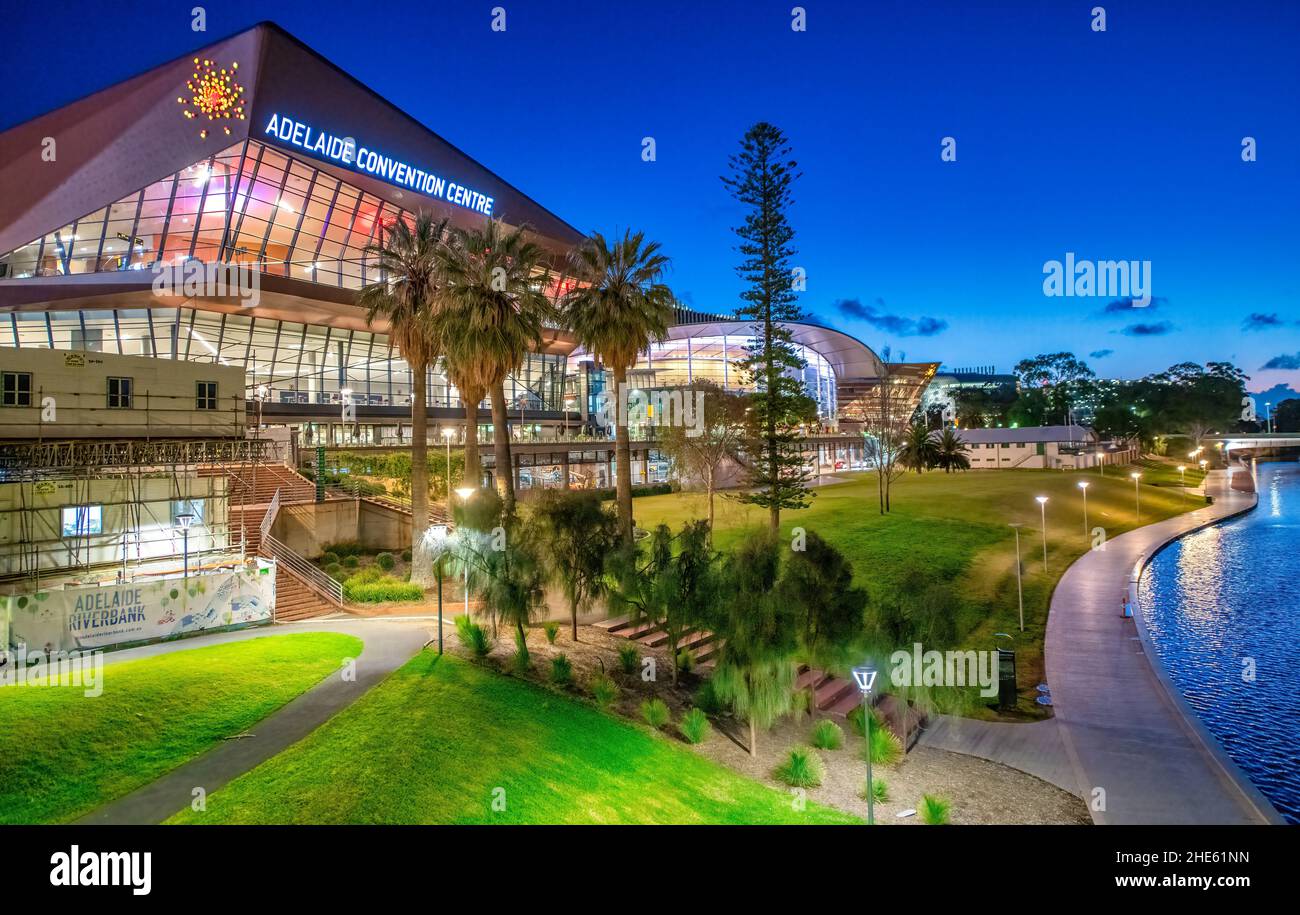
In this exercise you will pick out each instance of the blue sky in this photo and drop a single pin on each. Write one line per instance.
(1117, 145)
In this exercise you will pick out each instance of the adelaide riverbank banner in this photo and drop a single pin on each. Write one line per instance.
(75, 618)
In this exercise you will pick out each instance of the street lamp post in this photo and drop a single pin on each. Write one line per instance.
(1268, 417)
(1137, 494)
(439, 534)
(1101, 463)
(465, 492)
(1182, 479)
(185, 519)
(865, 677)
(1042, 504)
(1020, 594)
(1083, 487)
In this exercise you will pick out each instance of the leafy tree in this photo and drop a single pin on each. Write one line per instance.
(1286, 417)
(407, 295)
(1063, 379)
(761, 177)
(578, 534)
(755, 670)
(951, 452)
(617, 306)
(506, 571)
(497, 306)
(700, 453)
(817, 583)
(919, 452)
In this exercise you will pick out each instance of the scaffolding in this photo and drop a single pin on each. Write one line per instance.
(123, 515)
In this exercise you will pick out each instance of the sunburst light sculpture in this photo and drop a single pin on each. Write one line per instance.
(214, 95)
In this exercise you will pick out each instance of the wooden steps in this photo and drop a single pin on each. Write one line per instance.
(295, 601)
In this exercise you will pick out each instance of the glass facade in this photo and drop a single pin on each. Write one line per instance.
(294, 363)
(256, 206)
(679, 362)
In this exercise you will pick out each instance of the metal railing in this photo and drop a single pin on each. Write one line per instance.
(301, 568)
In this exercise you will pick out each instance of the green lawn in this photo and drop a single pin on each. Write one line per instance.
(441, 738)
(955, 527)
(63, 754)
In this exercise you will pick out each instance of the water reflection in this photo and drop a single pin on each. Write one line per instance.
(1220, 600)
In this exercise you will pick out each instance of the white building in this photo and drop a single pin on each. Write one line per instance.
(1041, 447)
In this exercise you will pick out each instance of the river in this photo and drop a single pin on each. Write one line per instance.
(1221, 606)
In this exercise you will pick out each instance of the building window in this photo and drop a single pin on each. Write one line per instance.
(80, 520)
(205, 397)
(17, 389)
(119, 393)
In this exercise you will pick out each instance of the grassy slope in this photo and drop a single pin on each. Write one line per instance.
(956, 526)
(63, 754)
(433, 742)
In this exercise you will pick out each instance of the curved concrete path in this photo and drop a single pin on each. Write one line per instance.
(1124, 727)
(389, 643)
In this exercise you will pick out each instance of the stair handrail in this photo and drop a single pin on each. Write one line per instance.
(305, 571)
(272, 510)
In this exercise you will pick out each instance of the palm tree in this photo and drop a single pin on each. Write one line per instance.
(918, 452)
(496, 310)
(408, 256)
(459, 365)
(617, 307)
(950, 452)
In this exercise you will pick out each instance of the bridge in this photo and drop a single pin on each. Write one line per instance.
(1237, 441)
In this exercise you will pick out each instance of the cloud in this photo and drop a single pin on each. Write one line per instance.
(897, 325)
(1101, 353)
(1127, 305)
(1257, 321)
(1284, 361)
(1155, 329)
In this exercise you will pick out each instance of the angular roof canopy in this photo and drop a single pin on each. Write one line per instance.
(72, 161)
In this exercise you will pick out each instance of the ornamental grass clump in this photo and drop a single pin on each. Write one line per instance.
(803, 768)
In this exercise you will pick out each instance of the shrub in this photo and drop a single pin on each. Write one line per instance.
(561, 671)
(655, 713)
(879, 790)
(361, 589)
(351, 562)
(706, 699)
(347, 548)
(329, 558)
(385, 561)
(406, 555)
(694, 726)
(522, 662)
(827, 735)
(885, 748)
(803, 768)
(552, 629)
(473, 636)
(799, 704)
(604, 690)
(629, 659)
(334, 570)
(934, 811)
(685, 661)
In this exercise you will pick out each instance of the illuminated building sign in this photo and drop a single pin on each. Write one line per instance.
(345, 150)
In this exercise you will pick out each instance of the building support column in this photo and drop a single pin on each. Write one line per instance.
(564, 470)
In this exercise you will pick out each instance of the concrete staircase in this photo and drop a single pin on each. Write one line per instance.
(250, 494)
(295, 601)
(835, 696)
(699, 642)
(251, 485)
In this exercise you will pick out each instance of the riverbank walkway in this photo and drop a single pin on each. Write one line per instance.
(1138, 753)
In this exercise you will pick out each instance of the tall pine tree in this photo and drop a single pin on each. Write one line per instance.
(762, 175)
